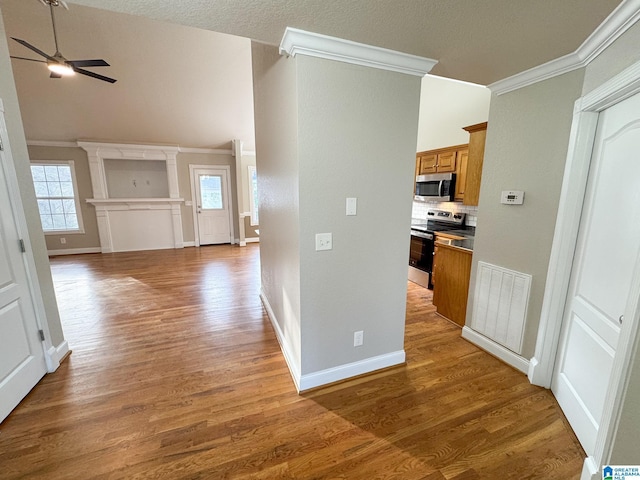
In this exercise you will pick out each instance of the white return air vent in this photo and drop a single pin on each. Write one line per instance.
(500, 305)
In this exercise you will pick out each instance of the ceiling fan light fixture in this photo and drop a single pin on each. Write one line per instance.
(61, 69)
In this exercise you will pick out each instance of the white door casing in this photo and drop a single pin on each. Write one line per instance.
(211, 204)
(583, 132)
(608, 245)
(22, 357)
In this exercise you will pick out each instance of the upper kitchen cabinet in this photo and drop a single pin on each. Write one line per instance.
(462, 162)
(473, 173)
(442, 160)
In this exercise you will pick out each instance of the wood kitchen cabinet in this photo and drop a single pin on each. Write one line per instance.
(461, 174)
(475, 160)
(442, 160)
(452, 268)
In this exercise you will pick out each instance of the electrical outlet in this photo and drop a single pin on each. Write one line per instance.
(358, 338)
(324, 241)
(63, 240)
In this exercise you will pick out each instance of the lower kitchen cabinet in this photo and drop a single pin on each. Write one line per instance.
(452, 268)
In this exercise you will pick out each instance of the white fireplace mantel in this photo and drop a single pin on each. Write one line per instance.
(129, 224)
(98, 152)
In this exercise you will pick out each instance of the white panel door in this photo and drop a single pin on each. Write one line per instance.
(213, 207)
(22, 362)
(606, 255)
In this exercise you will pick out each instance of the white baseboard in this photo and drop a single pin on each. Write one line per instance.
(252, 239)
(189, 244)
(294, 367)
(54, 354)
(342, 372)
(74, 251)
(330, 375)
(590, 469)
(516, 361)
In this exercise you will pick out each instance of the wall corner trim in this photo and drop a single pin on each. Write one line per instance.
(516, 361)
(618, 22)
(300, 42)
(54, 355)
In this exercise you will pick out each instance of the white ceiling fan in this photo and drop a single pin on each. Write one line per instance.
(57, 64)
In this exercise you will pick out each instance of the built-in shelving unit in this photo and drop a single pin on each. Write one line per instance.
(129, 220)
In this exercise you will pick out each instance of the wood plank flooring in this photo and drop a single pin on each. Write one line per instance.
(177, 374)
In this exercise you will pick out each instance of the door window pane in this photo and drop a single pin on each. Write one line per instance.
(211, 192)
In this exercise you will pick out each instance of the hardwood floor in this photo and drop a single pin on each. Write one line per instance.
(177, 374)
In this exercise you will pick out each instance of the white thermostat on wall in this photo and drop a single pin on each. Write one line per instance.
(512, 197)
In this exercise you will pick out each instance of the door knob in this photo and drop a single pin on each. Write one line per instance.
(621, 319)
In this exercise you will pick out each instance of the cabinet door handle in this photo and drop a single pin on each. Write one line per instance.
(621, 319)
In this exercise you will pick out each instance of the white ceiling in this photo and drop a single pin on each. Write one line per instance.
(193, 87)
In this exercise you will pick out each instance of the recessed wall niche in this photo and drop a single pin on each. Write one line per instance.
(136, 178)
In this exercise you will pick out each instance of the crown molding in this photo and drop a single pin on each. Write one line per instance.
(299, 42)
(618, 22)
(215, 151)
(51, 143)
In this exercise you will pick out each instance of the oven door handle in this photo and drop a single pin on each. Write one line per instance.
(441, 189)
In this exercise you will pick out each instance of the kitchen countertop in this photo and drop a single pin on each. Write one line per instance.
(465, 244)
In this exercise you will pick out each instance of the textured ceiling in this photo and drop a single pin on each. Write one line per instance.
(192, 86)
(477, 41)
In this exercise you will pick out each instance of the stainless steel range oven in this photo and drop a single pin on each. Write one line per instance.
(421, 258)
(422, 238)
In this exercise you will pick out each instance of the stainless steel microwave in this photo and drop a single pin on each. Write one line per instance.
(436, 187)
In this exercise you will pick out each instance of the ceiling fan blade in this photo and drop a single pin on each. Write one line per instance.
(88, 63)
(94, 75)
(55, 75)
(30, 59)
(31, 47)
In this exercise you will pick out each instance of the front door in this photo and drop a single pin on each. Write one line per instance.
(603, 267)
(22, 362)
(213, 209)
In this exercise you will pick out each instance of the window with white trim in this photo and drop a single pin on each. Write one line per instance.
(57, 196)
(253, 195)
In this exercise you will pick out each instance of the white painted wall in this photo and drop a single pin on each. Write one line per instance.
(445, 107)
(357, 130)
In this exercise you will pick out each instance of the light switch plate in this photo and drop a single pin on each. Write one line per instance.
(352, 206)
(512, 197)
(324, 241)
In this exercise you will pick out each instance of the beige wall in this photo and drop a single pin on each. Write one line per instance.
(90, 237)
(357, 130)
(526, 149)
(184, 186)
(251, 231)
(445, 107)
(276, 124)
(21, 160)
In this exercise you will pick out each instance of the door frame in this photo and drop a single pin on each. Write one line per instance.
(541, 367)
(52, 354)
(194, 202)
